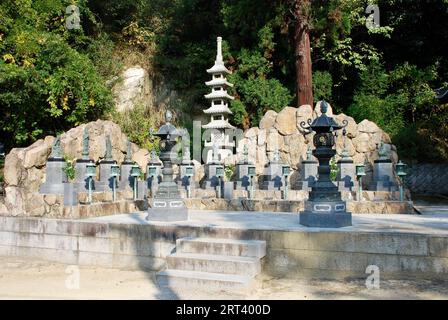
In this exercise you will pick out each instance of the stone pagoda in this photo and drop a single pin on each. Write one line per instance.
(219, 109)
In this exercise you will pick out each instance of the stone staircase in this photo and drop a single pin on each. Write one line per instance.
(213, 264)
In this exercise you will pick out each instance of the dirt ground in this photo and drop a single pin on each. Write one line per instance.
(22, 278)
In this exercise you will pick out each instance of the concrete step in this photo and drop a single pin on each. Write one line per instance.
(181, 279)
(249, 266)
(226, 247)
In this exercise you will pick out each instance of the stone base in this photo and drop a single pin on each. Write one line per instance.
(81, 182)
(325, 220)
(303, 185)
(272, 184)
(51, 188)
(211, 181)
(126, 180)
(327, 214)
(54, 177)
(167, 210)
(105, 182)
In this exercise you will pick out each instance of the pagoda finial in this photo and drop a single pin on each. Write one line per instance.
(219, 51)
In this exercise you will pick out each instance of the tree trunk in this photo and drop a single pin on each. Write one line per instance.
(303, 52)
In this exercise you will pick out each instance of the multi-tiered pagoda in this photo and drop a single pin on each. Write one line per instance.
(219, 109)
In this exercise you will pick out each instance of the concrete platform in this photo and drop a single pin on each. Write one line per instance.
(402, 246)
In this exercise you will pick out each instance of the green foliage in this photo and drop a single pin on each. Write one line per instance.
(69, 168)
(137, 123)
(322, 85)
(229, 171)
(333, 169)
(47, 84)
(387, 97)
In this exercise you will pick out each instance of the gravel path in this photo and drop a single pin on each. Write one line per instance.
(22, 278)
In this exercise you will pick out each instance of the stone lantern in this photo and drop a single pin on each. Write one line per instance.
(167, 204)
(324, 207)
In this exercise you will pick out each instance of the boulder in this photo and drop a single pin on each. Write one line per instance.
(37, 154)
(368, 126)
(132, 90)
(268, 120)
(351, 128)
(286, 122)
(304, 112)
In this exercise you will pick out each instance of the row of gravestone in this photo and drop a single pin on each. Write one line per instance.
(276, 173)
(272, 179)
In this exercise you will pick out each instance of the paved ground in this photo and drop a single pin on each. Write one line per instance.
(431, 222)
(33, 279)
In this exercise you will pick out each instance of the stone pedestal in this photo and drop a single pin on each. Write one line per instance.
(70, 194)
(55, 177)
(105, 182)
(383, 176)
(325, 214)
(142, 190)
(346, 176)
(167, 204)
(126, 180)
(211, 180)
(308, 175)
(152, 183)
(242, 177)
(272, 177)
(183, 181)
(81, 182)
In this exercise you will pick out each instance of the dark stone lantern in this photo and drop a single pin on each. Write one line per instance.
(167, 204)
(324, 207)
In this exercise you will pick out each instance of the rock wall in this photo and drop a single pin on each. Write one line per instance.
(25, 167)
(282, 131)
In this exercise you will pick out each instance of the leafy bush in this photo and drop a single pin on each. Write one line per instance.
(136, 123)
(47, 85)
(69, 168)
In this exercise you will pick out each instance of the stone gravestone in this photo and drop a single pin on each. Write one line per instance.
(81, 182)
(242, 171)
(211, 180)
(383, 172)
(126, 180)
(183, 180)
(55, 175)
(272, 177)
(105, 182)
(153, 182)
(346, 176)
(308, 173)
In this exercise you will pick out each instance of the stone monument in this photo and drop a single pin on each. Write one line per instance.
(55, 174)
(81, 180)
(167, 204)
(346, 176)
(105, 182)
(126, 180)
(324, 207)
(211, 180)
(242, 171)
(383, 172)
(153, 179)
(308, 172)
(272, 177)
(183, 180)
(219, 109)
